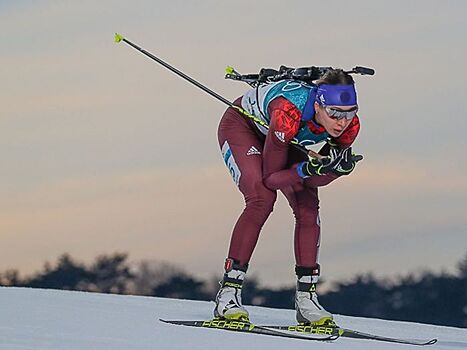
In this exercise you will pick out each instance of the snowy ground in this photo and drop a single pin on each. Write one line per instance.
(50, 319)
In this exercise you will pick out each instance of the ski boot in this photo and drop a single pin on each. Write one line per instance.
(229, 299)
(309, 310)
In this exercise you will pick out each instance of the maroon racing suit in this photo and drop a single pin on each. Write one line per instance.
(260, 165)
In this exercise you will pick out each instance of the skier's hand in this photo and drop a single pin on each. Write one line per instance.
(321, 166)
(330, 143)
(347, 162)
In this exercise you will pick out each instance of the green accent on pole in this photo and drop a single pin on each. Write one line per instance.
(118, 37)
(229, 70)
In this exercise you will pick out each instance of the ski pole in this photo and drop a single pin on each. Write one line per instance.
(119, 38)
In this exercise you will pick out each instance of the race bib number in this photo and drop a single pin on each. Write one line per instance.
(230, 162)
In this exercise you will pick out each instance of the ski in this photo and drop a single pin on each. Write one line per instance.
(349, 333)
(247, 327)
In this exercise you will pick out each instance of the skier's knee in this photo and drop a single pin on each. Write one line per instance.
(262, 201)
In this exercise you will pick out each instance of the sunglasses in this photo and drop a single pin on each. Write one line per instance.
(338, 114)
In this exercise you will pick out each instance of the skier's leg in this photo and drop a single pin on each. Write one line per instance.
(305, 205)
(242, 152)
(304, 202)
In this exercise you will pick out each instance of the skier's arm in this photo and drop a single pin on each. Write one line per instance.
(287, 177)
(319, 181)
(343, 141)
(284, 125)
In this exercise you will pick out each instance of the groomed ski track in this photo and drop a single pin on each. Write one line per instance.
(51, 319)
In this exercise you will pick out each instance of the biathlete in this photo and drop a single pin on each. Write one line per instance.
(262, 160)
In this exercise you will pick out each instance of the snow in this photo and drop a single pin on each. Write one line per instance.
(51, 319)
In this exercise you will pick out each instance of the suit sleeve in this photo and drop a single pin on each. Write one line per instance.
(284, 125)
(343, 141)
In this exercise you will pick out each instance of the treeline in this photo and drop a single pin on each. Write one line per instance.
(428, 298)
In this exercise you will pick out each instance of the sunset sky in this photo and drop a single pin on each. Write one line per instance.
(103, 150)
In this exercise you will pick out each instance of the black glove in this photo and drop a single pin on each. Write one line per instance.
(347, 162)
(321, 166)
(330, 143)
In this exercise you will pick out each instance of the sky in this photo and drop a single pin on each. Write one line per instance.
(103, 150)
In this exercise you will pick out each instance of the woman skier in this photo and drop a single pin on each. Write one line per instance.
(262, 159)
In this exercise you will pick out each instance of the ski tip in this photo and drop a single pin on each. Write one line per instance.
(166, 321)
(118, 37)
(431, 342)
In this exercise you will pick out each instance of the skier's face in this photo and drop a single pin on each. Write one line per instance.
(334, 127)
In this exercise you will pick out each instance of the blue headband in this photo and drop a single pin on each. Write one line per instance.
(336, 95)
